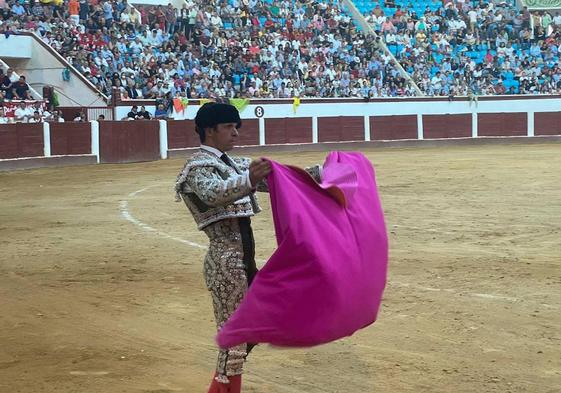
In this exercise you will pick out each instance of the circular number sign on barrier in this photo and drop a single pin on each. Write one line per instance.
(259, 111)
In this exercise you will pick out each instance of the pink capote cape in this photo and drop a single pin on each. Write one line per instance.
(325, 281)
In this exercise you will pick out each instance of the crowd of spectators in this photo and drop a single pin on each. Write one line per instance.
(206, 49)
(17, 105)
(135, 113)
(13, 87)
(473, 47)
(33, 112)
(289, 48)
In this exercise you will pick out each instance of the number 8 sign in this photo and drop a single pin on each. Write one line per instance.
(259, 111)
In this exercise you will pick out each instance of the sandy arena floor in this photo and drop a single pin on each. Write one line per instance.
(101, 287)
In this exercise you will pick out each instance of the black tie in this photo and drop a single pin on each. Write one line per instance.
(227, 160)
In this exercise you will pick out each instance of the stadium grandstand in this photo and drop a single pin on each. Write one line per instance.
(284, 49)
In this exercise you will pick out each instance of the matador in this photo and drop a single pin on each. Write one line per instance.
(219, 191)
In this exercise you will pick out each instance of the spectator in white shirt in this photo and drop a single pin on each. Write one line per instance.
(22, 113)
(11, 75)
(436, 82)
(216, 21)
(391, 38)
(472, 14)
(136, 46)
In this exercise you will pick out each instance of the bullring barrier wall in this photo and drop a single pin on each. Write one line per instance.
(280, 122)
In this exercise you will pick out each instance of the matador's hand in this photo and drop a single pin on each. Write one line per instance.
(258, 170)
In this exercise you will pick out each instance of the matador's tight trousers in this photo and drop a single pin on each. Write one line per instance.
(229, 269)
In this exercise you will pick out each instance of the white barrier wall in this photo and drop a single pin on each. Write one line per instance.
(373, 108)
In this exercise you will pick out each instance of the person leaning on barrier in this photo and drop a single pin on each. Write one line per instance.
(133, 114)
(161, 113)
(144, 114)
(80, 117)
(36, 118)
(56, 117)
(22, 113)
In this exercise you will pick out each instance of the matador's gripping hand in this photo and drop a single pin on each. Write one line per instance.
(258, 170)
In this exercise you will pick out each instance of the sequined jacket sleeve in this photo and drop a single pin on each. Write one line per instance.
(212, 189)
(314, 171)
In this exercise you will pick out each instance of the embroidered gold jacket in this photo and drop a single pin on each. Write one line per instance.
(214, 191)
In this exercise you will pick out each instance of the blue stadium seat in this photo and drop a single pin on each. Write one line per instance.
(509, 75)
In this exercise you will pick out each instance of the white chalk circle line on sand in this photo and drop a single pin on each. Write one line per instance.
(89, 373)
(127, 215)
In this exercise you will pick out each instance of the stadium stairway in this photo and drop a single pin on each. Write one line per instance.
(359, 20)
(34, 93)
(27, 54)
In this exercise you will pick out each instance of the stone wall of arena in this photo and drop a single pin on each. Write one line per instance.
(279, 123)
